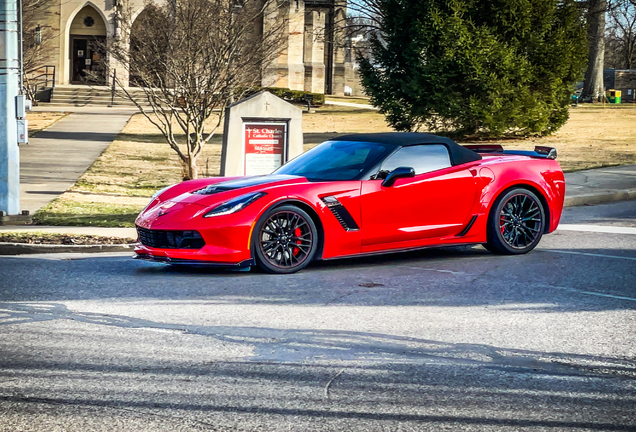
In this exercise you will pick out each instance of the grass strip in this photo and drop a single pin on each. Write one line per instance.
(61, 239)
(63, 212)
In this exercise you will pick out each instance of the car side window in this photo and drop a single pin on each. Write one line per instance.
(422, 158)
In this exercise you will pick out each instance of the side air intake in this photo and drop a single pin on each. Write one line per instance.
(341, 213)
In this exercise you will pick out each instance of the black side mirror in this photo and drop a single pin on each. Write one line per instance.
(381, 175)
(398, 173)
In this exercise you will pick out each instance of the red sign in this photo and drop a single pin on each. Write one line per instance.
(265, 145)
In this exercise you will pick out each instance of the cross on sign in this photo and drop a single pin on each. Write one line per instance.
(266, 106)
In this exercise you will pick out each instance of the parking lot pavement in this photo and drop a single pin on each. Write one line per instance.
(442, 339)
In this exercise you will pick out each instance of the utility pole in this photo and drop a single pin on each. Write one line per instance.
(9, 78)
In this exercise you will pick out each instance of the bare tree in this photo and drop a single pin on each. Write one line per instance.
(364, 16)
(37, 36)
(192, 58)
(620, 38)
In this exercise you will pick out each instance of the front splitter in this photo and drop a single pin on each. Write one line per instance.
(194, 263)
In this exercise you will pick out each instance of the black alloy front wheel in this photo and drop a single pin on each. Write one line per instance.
(516, 222)
(285, 240)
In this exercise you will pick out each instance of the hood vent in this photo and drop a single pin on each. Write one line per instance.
(210, 190)
(244, 182)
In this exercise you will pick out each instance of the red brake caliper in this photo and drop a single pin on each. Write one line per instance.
(502, 224)
(297, 233)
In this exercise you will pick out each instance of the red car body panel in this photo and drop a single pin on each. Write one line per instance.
(432, 209)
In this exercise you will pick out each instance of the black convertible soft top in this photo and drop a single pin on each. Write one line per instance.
(458, 154)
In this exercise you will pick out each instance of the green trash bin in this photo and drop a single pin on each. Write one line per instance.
(613, 96)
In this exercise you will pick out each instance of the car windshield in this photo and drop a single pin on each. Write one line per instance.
(336, 160)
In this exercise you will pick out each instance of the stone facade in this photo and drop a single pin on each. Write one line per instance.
(311, 58)
(314, 51)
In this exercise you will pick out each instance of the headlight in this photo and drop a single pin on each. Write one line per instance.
(234, 205)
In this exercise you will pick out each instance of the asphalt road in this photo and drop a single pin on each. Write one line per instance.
(443, 339)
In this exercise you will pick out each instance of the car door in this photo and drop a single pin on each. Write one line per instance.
(436, 202)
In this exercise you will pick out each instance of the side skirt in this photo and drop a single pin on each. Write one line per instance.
(399, 250)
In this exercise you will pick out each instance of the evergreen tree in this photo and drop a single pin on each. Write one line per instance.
(464, 67)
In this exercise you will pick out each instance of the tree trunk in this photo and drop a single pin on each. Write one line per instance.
(190, 169)
(593, 89)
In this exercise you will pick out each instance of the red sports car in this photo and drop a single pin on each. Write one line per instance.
(356, 195)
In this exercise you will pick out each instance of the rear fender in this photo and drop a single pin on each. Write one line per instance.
(541, 176)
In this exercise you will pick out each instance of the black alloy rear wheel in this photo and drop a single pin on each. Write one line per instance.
(516, 223)
(285, 240)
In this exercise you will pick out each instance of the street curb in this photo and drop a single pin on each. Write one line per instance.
(600, 197)
(14, 220)
(27, 248)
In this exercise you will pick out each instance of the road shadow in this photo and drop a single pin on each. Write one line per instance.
(299, 345)
(158, 138)
(77, 136)
(328, 374)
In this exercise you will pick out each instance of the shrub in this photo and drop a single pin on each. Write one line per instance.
(294, 96)
(487, 67)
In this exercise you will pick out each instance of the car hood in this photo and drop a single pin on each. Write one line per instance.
(191, 204)
(247, 182)
(223, 191)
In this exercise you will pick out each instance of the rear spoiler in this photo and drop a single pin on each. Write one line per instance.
(539, 151)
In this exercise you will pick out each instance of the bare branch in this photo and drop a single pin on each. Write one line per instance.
(190, 68)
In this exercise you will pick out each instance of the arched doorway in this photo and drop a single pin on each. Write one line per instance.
(87, 36)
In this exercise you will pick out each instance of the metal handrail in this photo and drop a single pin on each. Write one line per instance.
(48, 76)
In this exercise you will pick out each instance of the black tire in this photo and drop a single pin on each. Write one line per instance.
(516, 223)
(285, 240)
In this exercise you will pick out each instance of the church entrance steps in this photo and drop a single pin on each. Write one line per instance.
(93, 96)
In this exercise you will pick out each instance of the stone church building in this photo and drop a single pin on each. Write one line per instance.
(311, 61)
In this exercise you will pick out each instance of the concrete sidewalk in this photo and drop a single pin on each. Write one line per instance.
(57, 156)
(601, 185)
(352, 105)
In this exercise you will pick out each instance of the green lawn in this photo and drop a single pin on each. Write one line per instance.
(71, 213)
